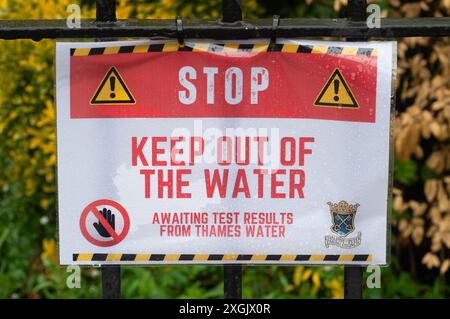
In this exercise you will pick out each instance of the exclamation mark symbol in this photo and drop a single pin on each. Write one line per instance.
(112, 84)
(336, 90)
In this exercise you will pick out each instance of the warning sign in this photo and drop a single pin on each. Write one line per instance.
(336, 93)
(224, 156)
(112, 90)
(104, 223)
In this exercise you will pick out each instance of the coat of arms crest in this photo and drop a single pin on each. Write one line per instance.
(343, 217)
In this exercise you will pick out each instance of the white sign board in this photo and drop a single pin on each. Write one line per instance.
(223, 152)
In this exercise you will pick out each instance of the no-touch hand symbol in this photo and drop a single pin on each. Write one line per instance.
(105, 225)
(111, 221)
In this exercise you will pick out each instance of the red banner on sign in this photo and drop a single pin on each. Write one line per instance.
(231, 85)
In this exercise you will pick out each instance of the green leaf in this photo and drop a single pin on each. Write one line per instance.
(405, 172)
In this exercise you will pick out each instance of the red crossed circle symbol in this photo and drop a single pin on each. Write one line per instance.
(115, 237)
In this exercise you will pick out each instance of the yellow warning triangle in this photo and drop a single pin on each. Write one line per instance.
(336, 93)
(112, 90)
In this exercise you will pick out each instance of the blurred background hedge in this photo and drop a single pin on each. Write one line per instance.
(421, 218)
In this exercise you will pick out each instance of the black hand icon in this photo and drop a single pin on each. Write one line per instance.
(110, 219)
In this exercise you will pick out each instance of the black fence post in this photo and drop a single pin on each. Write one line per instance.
(111, 282)
(353, 275)
(356, 10)
(105, 10)
(232, 274)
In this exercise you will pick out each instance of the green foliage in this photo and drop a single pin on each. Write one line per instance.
(397, 284)
(293, 282)
(406, 171)
(200, 281)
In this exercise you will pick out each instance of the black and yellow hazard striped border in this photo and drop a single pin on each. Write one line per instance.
(213, 47)
(170, 258)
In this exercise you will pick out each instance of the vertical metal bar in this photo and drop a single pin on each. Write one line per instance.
(353, 275)
(356, 10)
(111, 281)
(231, 11)
(232, 281)
(232, 274)
(106, 10)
